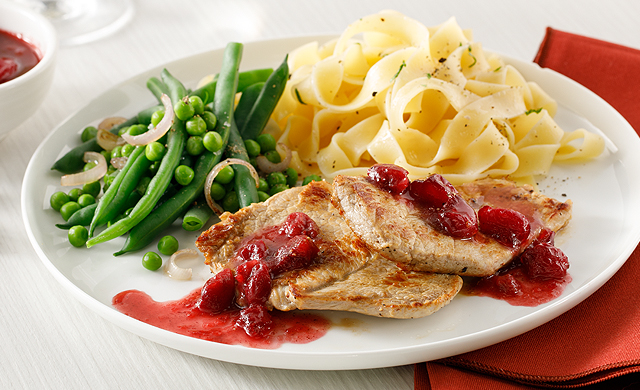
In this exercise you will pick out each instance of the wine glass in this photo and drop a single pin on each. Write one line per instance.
(82, 21)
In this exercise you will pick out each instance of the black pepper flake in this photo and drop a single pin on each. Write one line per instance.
(374, 93)
(442, 59)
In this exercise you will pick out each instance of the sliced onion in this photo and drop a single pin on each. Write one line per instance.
(267, 166)
(119, 162)
(157, 132)
(214, 172)
(108, 123)
(107, 140)
(174, 271)
(93, 174)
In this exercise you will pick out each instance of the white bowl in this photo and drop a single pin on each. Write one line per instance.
(21, 97)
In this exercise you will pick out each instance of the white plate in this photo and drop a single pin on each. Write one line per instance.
(603, 233)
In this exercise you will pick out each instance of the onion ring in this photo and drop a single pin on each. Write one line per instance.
(214, 172)
(107, 140)
(267, 166)
(93, 174)
(174, 271)
(157, 132)
(108, 123)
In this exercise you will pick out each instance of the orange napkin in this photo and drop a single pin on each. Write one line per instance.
(597, 343)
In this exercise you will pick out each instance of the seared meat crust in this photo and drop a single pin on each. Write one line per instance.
(396, 230)
(346, 275)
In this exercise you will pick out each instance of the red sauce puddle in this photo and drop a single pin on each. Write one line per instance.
(183, 317)
(515, 288)
(16, 56)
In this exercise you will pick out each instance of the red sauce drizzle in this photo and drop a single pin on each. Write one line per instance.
(183, 317)
(16, 56)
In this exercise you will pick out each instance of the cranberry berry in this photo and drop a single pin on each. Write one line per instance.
(389, 177)
(218, 293)
(509, 227)
(544, 261)
(434, 191)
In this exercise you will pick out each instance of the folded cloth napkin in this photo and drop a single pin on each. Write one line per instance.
(597, 343)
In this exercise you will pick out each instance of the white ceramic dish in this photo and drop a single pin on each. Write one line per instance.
(21, 97)
(603, 233)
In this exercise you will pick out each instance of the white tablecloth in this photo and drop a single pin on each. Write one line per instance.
(48, 340)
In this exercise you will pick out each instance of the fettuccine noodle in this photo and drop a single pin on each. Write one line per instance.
(390, 90)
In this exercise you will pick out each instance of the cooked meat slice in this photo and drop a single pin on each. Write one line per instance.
(337, 280)
(545, 211)
(397, 231)
(381, 289)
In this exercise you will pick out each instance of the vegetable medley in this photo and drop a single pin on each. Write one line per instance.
(197, 153)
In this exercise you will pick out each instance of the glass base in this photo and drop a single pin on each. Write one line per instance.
(83, 21)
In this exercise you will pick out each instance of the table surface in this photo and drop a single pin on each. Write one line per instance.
(49, 339)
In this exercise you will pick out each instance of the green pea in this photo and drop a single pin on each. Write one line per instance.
(197, 104)
(273, 156)
(311, 178)
(267, 142)
(230, 202)
(123, 130)
(168, 245)
(275, 178)
(253, 148)
(195, 145)
(137, 129)
(183, 110)
(153, 168)
(183, 174)
(106, 154)
(151, 261)
(68, 209)
(156, 117)
(225, 175)
(196, 126)
(292, 177)
(116, 152)
(86, 199)
(58, 199)
(78, 236)
(263, 185)
(262, 196)
(127, 149)
(74, 194)
(212, 141)
(154, 151)
(88, 133)
(217, 191)
(278, 188)
(92, 188)
(88, 166)
(210, 119)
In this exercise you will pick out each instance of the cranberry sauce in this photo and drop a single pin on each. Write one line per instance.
(537, 275)
(184, 317)
(233, 301)
(16, 56)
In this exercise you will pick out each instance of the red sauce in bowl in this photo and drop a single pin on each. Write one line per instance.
(17, 56)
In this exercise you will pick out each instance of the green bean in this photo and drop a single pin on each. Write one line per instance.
(246, 186)
(144, 116)
(157, 87)
(247, 100)
(195, 218)
(73, 161)
(266, 102)
(167, 212)
(176, 90)
(113, 200)
(245, 79)
(155, 189)
(81, 217)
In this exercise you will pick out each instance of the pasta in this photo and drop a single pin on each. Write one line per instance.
(390, 90)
